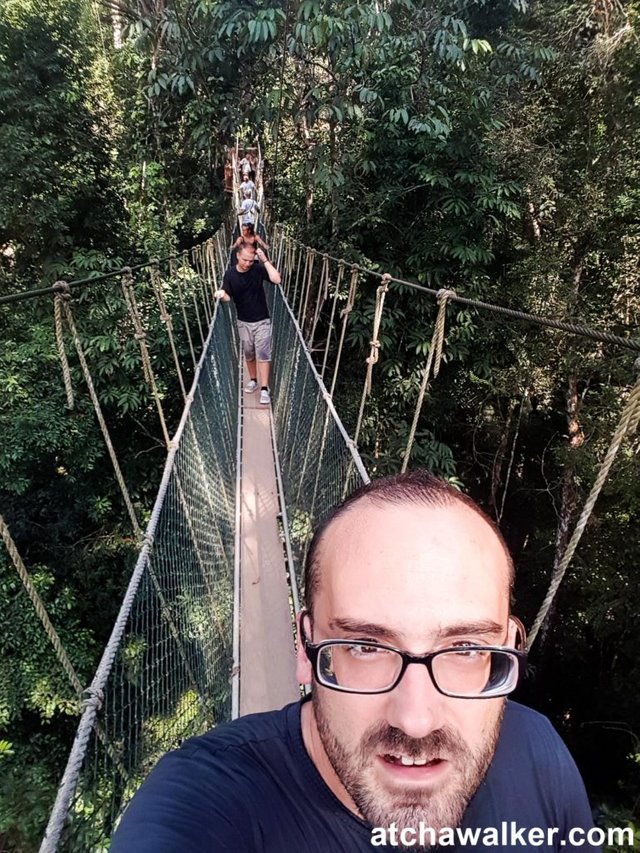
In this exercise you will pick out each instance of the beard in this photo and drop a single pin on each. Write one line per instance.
(383, 805)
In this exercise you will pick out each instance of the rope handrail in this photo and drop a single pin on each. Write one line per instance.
(94, 279)
(578, 329)
(629, 420)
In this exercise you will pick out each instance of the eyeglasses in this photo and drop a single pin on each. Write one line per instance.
(461, 672)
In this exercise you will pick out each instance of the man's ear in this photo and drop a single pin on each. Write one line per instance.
(303, 664)
(517, 634)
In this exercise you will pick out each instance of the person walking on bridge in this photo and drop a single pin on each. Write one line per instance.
(244, 284)
(247, 184)
(250, 238)
(248, 209)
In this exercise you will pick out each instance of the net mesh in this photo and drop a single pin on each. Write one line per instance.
(318, 462)
(170, 675)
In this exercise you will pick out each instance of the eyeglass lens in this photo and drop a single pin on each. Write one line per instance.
(467, 672)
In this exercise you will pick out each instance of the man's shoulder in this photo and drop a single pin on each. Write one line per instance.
(208, 794)
(230, 276)
(532, 780)
(246, 733)
(523, 723)
(530, 749)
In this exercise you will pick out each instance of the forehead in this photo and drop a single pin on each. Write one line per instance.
(412, 568)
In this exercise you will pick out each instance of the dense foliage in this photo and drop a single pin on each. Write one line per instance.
(491, 147)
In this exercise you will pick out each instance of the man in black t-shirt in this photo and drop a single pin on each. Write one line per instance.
(408, 739)
(244, 284)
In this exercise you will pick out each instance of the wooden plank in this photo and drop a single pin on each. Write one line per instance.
(267, 655)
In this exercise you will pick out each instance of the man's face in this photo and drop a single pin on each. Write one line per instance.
(245, 259)
(420, 579)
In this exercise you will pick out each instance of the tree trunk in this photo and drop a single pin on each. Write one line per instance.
(116, 26)
(496, 470)
(569, 498)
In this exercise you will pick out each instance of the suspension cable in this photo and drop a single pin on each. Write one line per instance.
(548, 322)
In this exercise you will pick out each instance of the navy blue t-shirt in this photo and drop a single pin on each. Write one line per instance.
(251, 786)
(247, 291)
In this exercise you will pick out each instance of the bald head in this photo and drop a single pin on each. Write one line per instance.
(415, 490)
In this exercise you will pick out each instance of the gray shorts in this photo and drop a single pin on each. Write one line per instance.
(256, 340)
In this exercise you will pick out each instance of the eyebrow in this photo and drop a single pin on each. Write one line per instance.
(479, 628)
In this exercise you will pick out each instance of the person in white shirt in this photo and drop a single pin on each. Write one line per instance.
(248, 209)
(247, 184)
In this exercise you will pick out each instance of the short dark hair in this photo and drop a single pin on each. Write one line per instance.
(415, 487)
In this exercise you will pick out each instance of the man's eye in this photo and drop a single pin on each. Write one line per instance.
(359, 651)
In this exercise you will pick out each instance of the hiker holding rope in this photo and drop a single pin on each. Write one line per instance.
(244, 284)
(407, 739)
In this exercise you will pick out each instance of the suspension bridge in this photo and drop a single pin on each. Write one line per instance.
(206, 627)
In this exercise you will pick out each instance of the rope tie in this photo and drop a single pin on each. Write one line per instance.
(334, 302)
(344, 314)
(186, 273)
(311, 256)
(627, 425)
(103, 425)
(374, 343)
(351, 298)
(94, 698)
(323, 292)
(138, 331)
(434, 360)
(140, 336)
(156, 285)
(62, 295)
(443, 297)
(185, 319)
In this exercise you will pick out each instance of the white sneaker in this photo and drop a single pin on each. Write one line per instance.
(251, 386)
(265, 397)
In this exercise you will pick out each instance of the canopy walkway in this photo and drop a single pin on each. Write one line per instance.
(205, 630)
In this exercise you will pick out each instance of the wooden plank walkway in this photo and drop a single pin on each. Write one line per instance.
(267, 655)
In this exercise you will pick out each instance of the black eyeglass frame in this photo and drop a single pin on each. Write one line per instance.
(313, 653)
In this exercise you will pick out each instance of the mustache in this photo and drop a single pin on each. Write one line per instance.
(444, 741)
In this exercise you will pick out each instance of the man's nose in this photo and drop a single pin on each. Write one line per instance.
(415, 706)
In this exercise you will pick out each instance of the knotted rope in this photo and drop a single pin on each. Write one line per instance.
(323, 293)
(374, 343)
(346, 311)
(62, 293)
(165, 316)
(141, 337)
(334, 302)
(433, 359)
